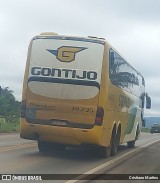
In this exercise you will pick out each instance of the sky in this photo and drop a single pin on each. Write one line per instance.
(131, 27)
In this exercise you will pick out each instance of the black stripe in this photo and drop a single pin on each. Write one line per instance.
(64, 81)
(68, 124)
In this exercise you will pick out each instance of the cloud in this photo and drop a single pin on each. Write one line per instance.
(132, 27)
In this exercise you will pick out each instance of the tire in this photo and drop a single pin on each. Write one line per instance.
(131, 144)
(115, 142)
(43, 146)
(137, 133)
(104, 152)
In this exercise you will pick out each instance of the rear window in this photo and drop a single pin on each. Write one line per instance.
(65, 69)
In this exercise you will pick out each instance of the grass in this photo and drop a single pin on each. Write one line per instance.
(9, 127)
(145, 130)
(15, 127)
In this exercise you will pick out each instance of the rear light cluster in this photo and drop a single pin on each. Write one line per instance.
(23, 109)
(99, 116)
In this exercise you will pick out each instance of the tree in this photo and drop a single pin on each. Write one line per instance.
(9, 107)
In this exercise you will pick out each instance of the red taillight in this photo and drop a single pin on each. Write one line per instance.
(23, 109)
(99, 116)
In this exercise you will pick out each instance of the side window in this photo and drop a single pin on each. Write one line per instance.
(122, 74)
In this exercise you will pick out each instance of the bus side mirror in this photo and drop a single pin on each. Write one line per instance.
(148, 102)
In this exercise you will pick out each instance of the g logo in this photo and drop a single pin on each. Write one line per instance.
(66, 53)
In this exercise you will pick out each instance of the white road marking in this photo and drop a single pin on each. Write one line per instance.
(111, 162)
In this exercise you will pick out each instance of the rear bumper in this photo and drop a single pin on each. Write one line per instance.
(62, 135)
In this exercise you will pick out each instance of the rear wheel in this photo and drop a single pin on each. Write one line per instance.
(131, 144)
(105, 152)
(44, 146)
(115, 142)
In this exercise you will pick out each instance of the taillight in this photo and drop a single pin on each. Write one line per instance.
(99, 116)
(23, 109)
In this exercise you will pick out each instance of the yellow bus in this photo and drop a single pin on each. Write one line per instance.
(80, 91)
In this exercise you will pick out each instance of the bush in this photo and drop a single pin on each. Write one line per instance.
(9, 127)
(9, 107)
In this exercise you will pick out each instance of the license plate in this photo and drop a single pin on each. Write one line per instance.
(59, 123)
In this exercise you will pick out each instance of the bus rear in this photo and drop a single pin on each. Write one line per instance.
(61, 91)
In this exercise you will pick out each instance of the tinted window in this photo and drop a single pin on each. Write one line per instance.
(123, 75)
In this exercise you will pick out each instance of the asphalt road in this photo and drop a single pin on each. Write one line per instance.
(19, 156)
(145, 162)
